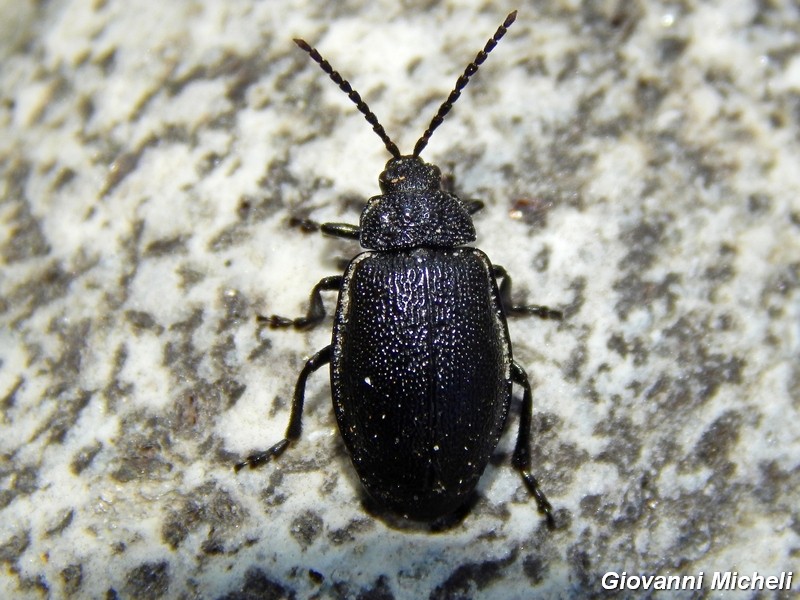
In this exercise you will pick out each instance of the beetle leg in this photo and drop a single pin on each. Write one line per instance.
(303, 224)
(473, 206)
(256, 459)
(522, 453)
(342, 230)
(316, 309)
(514, 310)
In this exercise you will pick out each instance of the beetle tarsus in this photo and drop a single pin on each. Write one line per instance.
(303, 224)
(257, 459)
(278, 322)
(543, 312)
(516, 310)
(274, 321)
(316, 309)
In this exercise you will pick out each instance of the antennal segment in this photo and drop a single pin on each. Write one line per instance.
(462, 81)
(345, 86)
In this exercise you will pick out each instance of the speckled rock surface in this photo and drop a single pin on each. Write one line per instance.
(639, 163)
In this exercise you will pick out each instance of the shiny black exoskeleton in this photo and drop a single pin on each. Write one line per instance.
(421, 363)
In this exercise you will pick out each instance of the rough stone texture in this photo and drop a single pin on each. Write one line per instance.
(639, 162)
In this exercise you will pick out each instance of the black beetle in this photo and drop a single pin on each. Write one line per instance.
(421, 364)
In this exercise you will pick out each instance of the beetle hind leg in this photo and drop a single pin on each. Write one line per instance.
(543, 312)
(316, 309)
(256, 459)
(522, 453)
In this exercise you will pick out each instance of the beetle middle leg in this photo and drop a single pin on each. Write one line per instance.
(256, 459)
(543, 312)
(522, 452)
(316, 309)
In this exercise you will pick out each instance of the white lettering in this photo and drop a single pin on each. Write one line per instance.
(689, 582)
(725, 580)
(662, 583)
(722, 581)
(610, 581)
(758, 580)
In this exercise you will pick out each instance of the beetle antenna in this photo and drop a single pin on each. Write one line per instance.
(462, 81)
(345, 86)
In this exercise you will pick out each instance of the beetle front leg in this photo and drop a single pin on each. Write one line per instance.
(522, 453)
(543, 312)
(256, 459)
(316, 309)
(342, 230)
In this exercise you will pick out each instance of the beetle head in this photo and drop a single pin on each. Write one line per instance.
(409, 173)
